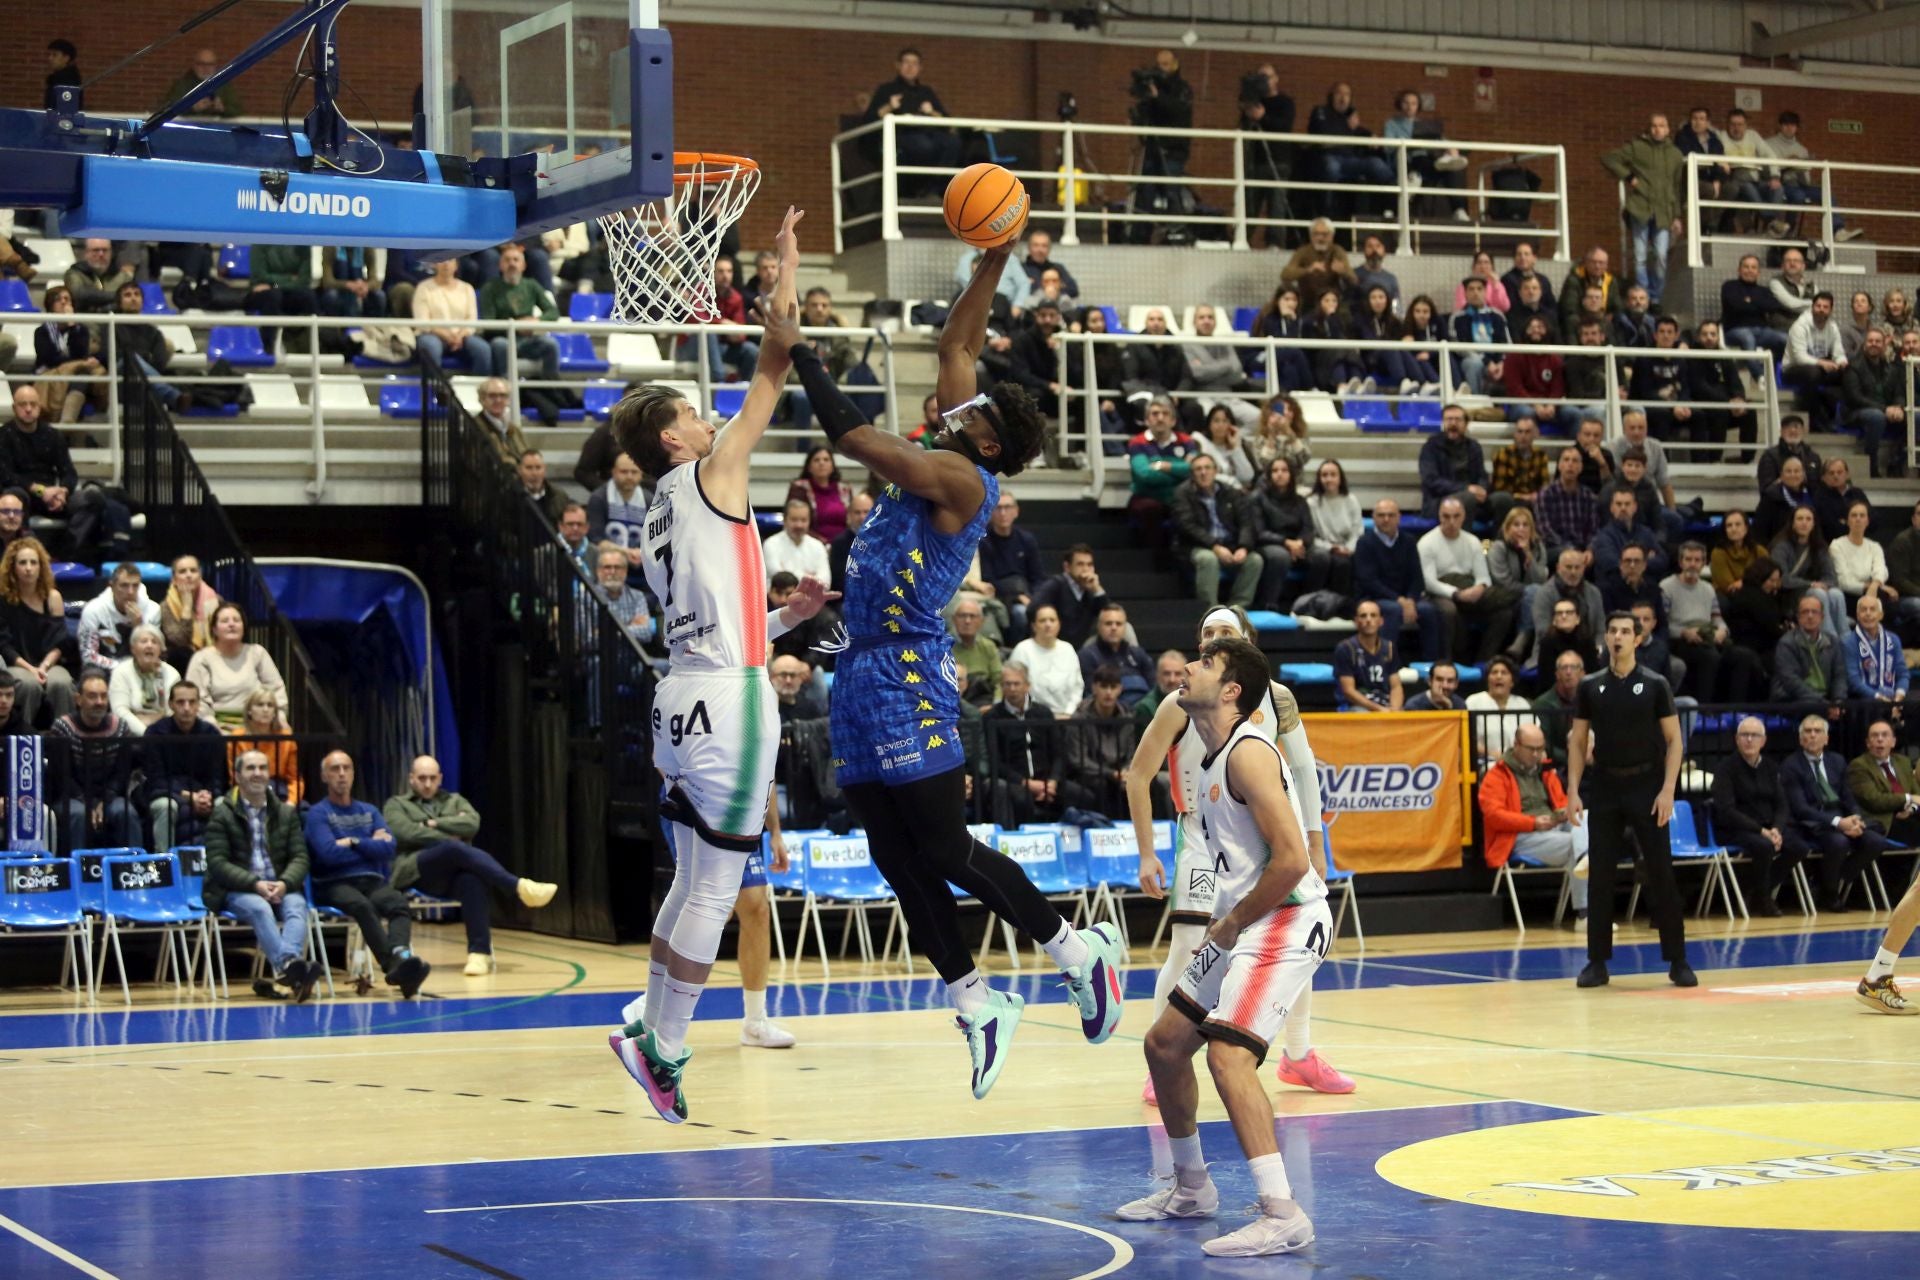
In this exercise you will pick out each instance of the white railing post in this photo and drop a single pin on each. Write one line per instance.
(513, 369)
(317, 421)
(113, 402)
(1095, 425)
(1447, 389)
(1061, 381)
(1070, 197)
(839, 196)
(1564, 238)
(893, 392)
(889, 180)
(1826, 205)
(1613, 394)
(1696, 255)
(703, 372)
(1239, 194)
(1769, 434)
(1405, 202)
(1913, 437)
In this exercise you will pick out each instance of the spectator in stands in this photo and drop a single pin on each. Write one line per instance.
(627, 604)
(511, 295)
(280, 283)
(1387, 571)
(62, 71)
(571, 534)
(1421, 326)
(1834, 496)
(1531, 302)
(1020, 738)
(1828, 816)
(1168, 675)
(346, 283)
(1284, 530)
(974, 654)
(1792, 444)
(793, 688)
(37, 459)
(257, 866)
(1373, 271)
(1621, 531)
(407, 270)
(142, 346)
(1221, 442)
(1519, 469)
(1783, 499)
(1732, 553)
(1746, 310)
(533, 479)
(1718, 382)
(1050, 663)
(1098, 748)
(1265, 108)
(1806, 565)
(33, 632)
(1493, 287)
(1453, 466)
(1876, 667)
(1903, 556)
(1874, 389)
(1755, 611)
(502, 423)
(1634, 324)
(1337, 523)
(184, 778)
(1366, 665)
(13, 516)
(452, 303)
(1750, 813)
(352, 853)
(1167, 104)
(1648, 511)
(1517, 564)
(221, 104)
(1658, 378)
(1860, 565)
(432, 834)
(1442, 692)
(1807, 663)
(1884, 788)
(1442, 170)
(1039, 259)
(1700, 636)
(94, 280)
(260, 730)
(1034, 358)
(1854, 325)
(1218, 531)
(1360, 166)
(1075, 594)
(1537, 381)
(1010, 558)
(1555, 709)
(1750, 183)
(1585, 377)
(1478, 322)
(186, 615)
(1634, 585)
(1319, 264)
(1051, 290)
(906, 95)
(228, 671)
(1280, 318)
(1159, 458)
(1282, 434)
(1815, 360)
(1652, 169)
(137, 690)
(1109, 374)
(1110, 649)
(1526, 262)
(1792, 290)
(1524, 809)
(62, 352)
(1460, 584)
(617, 511)
(1389, 367)
(1215, 367)
(1569, 585)
(93, 765)
(1896, 316)
(1701, 138)
(825, 495)
(1798, 185)
(107, 623)
(1567, 511)
(1338, 370)
(1591, 270)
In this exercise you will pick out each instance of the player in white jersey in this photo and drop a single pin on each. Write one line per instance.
(1191, 881)
(716, 728)
(1270, 931)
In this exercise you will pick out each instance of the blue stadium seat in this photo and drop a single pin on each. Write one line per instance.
(400, 398)
(600, 397)
(1372, 415)
(1421, 414)
(1469, 674)
(1415, 525)
(1113, 320)
(153, 573)
(66, 573)
(154, 300)
(203, 409)
(577, 354)
(1243, 318)
(586, 307)
(239, 345)
(727, 401)
(14, 296)
(1318, 675)
(236, 261)
(1272, 620)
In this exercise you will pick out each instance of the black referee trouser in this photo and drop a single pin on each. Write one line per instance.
(1618, 804)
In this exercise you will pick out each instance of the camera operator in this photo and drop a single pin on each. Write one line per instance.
(1265, 109)
(1162, 99)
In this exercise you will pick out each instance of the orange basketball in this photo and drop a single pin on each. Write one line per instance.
(985, 205)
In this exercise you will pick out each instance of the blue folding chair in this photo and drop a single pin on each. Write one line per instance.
(1342, 880)
(39, 895)
(143, 891)
(239, 345)
(577, 354)
(1113, 871)
(1684, 839)
(1055, 873)
(586, 307)
(236, 261)
(14, 296)
(153, 300)
(600, 397)
(359, 958)
(789, 884)
(400, 398)
(841, 876)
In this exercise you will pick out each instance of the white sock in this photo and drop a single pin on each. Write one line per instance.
(676, 1014)
(646, 1010)
(1270, 1177)
(1162, 1150)
(1297, 1042)
(1882, 966)
(969, 995)
(756, 1002)
(1068, 949)
(1188, 1163)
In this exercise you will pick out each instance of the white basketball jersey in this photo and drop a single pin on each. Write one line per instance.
(705, 569)
(1229, 832)
(1184, 760)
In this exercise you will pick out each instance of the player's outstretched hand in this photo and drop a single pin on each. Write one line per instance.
(809, 597)
(786, 244)
(781, 334)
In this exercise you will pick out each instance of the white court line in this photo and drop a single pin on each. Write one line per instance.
(1415, 968)
(39, 1241)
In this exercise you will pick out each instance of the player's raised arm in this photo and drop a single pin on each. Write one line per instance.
(965, 332)
(734, 444)
(1168, 719)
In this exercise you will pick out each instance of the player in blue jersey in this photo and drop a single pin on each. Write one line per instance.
(896, 740)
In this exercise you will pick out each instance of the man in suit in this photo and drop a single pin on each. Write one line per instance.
(1021, 740)
(1883, 786)
(1824, 809)
(1750, 813)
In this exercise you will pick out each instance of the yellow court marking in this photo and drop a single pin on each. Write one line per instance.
(1806, 1167)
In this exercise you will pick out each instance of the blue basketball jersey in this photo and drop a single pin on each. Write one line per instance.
(901, 573)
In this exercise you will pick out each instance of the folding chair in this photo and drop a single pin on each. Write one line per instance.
(40, 894)
(792, 882)
(1687, 847)
(1342, 880)
(1113, 869)
(1038, 849)
(359, 958)
(841, 876)
(143, 891)
(1503, 878)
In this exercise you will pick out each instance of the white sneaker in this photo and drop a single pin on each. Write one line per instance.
(1169, 1199)
(1461, 215)
(1267, 1234)
(1429, 388)
(1368, 386)
(765, 1035)
(1409, 385)
(1349, 387)
(1848, 233)
(536, 893)
(480, 964)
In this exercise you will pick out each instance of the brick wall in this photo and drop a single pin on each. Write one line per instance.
(778, 94)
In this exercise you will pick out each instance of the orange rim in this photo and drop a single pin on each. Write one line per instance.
(708, 166)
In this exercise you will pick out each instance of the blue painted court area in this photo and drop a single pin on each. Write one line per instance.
(352, 1016)
(1030, 1205)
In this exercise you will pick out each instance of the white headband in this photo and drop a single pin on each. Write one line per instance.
(1220, 617)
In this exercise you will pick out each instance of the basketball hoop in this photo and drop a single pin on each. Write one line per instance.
(662, 253)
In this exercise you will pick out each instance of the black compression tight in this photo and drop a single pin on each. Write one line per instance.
(918, 837)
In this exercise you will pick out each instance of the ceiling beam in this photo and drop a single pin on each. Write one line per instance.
(1866, 24)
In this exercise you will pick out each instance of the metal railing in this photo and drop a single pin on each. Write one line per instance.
(331, 381)
(1795, 202)
(1236, 185)
(184, 517)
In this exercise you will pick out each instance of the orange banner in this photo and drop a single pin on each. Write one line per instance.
(1393, 788)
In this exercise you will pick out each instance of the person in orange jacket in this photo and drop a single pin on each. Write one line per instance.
(1525, 812)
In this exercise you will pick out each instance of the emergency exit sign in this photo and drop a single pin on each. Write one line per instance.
(1845, 126)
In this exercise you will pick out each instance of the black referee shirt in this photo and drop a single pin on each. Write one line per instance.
(1625, 713)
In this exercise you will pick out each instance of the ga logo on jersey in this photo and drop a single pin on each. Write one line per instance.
(1213, 793)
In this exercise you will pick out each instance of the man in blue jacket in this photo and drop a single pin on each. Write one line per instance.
(352, 853)
(1386, 570)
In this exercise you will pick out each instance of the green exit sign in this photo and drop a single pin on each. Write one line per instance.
(1845, 126)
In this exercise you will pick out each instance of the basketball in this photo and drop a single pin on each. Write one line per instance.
(985, 205)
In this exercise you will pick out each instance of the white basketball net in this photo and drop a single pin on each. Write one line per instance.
(662, 253)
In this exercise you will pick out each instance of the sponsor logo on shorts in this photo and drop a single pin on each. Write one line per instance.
(1201, 880)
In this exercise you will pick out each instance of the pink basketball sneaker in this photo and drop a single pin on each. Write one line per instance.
(1312, 1072)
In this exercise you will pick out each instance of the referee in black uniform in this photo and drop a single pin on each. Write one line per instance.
(1631, 778)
